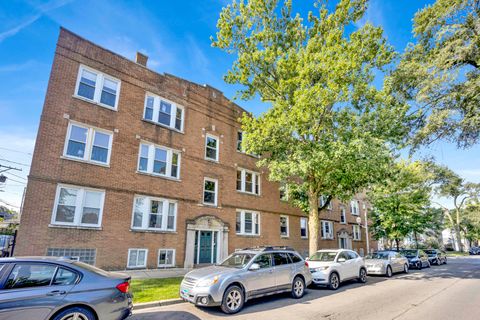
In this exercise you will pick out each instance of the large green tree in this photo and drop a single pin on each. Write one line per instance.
(329, 130)
(440, 73)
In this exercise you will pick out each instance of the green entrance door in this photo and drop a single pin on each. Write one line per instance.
(205, 254)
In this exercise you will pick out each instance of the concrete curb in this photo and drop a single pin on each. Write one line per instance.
(159, 303)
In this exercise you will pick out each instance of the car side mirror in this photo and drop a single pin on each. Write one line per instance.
(341, 260)
(254, 267)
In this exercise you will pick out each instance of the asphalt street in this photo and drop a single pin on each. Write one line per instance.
(449, 291)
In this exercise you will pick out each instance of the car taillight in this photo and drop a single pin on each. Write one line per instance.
(123, 287)
(306, 264)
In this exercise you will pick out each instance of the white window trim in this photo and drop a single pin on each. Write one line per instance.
(156, 109)
(166, 265)
(217, 151)
(306, 228)
(355, 207)
(255, 176)
(242, 223)
(88, 144)
(80, 199)
(141, 266)
(288, 227)
(330, 234)
(98, 87)
(205, 179)
(356, 230)
(145, 215)
(343, 213)
(151, 158)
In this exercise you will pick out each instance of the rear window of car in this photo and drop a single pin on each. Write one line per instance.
(295, 258)
(280, 258)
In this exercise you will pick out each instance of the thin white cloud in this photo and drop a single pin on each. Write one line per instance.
(17, 66)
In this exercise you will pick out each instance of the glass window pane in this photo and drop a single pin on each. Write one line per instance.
(238, 222)
(160, 162)
(91, 207)
(248, 182)
(101, 139)
(110, 86)
(109, 93)
(144, 151)
(178, 119)
(143, 164)
(248, 222)
(30, 275)
(64, 277)
(78, 134)
(86, 87)
(171, 216)
(132, 261)
(239, 180)
(77, 142)
(165, 113)
(138, 212)
(174, 169)
(239, 140)
(209, 185)
(209, 197)
(162, 257)
(66, 205)
(169, 257)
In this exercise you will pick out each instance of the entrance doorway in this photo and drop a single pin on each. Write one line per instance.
(205, 247)
(344, 240)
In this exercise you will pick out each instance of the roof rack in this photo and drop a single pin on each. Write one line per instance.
(269, 248)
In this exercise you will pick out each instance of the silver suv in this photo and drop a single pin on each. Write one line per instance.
(246, 274)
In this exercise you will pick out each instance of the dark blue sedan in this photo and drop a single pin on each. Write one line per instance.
(50, 288)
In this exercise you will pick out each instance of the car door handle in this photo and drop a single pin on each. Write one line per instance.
(56, 293)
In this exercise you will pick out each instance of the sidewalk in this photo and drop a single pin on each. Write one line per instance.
(156, 273)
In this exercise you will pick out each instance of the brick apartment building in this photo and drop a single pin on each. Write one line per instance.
(136, 169)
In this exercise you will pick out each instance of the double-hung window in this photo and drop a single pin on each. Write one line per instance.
(159, 160)
(88, 144)
(137, 258)
(303, 228)
(210, 191)
(322, 200)
(211, 147)
(154, 214)
(163, 112)
(284, 229)
(166, 257)
(355, 207)
(247, 223)
(78, 206)
(356, 232)
(248, 181)
(343, 215)
(239, 141)
(327, 230)
(97, 87)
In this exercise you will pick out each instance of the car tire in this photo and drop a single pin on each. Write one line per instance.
(233, 300)
(333, 281)
(405, 268)
(389, 272)
(362, 275)
(75, 313)
(419, 265)
(298, 287)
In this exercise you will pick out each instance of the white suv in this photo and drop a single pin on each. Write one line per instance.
(331, 267)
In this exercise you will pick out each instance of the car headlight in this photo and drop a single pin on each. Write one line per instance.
(319, 269)
(208, 282)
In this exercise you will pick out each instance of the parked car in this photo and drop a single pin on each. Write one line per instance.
(332, 267)
(416, 258)
(59, 289)
(474, 251)
(436, 256)
(5, 244)
(247, 274)
(386, 263)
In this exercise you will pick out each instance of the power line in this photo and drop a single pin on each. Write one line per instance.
(9, 204)
(3, 148)
(19, 163)
(10, 179)
(16, 175)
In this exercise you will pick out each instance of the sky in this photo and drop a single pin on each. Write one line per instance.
(176, 37)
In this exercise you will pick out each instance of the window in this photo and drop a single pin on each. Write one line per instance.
(303, 227)
(264, 261)
(248, 181)
(158, 160)
(78, 206)
(247, 223)
(137, 258)
(98, 87)
(154, 214)
(343, 215)
(284, 226)
(355, 207)
(283, 191)
(64, 277)
(295, 258)
(211, 147)
(239, 141)
(26, 275)
(88, 144)
(83, 255)
(210, 189)
(166, 258)
(163, 112)
(281, 258)
(356, 232)
(322, 200)
(327, 230)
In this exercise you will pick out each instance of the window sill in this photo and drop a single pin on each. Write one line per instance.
(285, 237)
(61, 226)
(249, 194)
(107, 165)
(343, 223)
(162, 125)
(209, 205)
(248, 154)
(95, 103)
(211, 160)
(158, 176)
(357, 240)
(304, 238)
(153, 231)
(248, 235)
(327, 238)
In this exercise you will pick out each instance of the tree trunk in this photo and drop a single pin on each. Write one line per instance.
(458, 238)
(416, 239)
(313, 222)
(397, 241)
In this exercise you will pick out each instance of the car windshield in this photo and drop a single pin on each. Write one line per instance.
(431, 252)
(323, 256)
(379, 255)
(237, 260)
(409, 253)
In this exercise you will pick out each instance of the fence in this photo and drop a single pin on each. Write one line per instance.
(8, 238)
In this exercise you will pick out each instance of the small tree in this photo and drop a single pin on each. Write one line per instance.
(329, 130)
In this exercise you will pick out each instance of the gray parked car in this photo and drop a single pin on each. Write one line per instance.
(436, 256)
(247, 274)
(386, 263)
(50, 288)
(416, 258)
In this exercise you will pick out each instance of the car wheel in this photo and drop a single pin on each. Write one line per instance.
(405, 268)
(389, 272)
(333, 281)
(362, 277)
(233, 300)
(298, 288)
(77, 313)
(419, 265)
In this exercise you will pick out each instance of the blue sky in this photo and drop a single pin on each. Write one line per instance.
(174, 34)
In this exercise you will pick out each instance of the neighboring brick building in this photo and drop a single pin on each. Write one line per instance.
(135, 169)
